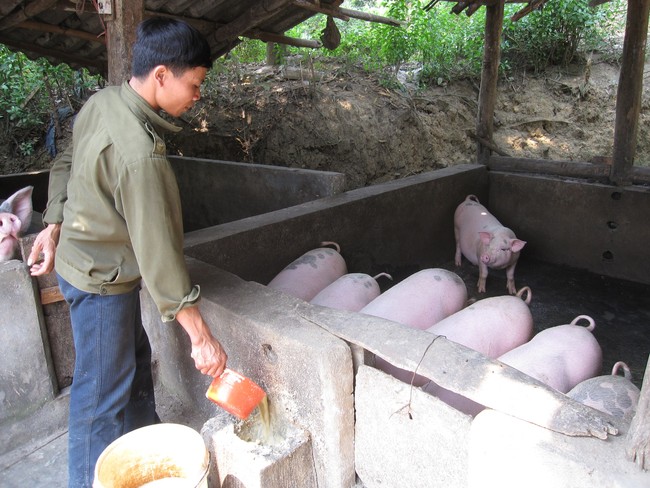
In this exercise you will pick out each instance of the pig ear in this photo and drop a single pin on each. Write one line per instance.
(20, 204)
(486, 237)
(517, 245)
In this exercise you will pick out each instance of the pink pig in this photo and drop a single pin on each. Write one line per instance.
(419, 301)
(15, 218)
(492, 326)
(352, 291)
(560, 357)
(422, 299)
(482, 239)
(311, 272)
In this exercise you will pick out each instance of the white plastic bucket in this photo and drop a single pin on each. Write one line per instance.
(156, 456)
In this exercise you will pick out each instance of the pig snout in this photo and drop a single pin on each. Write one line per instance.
(9, 229)
(15, 217)
(10, 225)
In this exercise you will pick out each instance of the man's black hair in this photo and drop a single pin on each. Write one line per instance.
(169, 42)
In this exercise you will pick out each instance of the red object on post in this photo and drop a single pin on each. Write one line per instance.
(235, 393)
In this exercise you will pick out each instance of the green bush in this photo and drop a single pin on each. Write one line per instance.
(449, 46)
(443, 45)
(30, 93)
(560, 32)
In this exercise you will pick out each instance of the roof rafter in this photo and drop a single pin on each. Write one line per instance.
(346, 14)
(31, 9)
(56, 29)
(471, 6)
(252, 17)
(207, 26)
(52, 53)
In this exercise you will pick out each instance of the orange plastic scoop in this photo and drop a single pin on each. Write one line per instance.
(235, 393)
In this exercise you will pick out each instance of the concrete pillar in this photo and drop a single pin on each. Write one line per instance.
(26, 372)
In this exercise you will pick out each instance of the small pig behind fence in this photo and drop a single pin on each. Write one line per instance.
(15, 218)
(483, 241)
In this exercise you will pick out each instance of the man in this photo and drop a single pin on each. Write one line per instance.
(113, 219)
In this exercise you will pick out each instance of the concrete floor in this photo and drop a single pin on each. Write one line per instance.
(43, 465)
(620, 309)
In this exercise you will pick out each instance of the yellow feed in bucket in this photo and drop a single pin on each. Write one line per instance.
(156, 456)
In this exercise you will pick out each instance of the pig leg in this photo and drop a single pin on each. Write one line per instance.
(459, 256)
(638, 437)
(510, 275)
(482, 276)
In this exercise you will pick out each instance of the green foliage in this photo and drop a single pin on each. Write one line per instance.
(454, 45)
(558, 33)
(449, 46)
(247, 51)
(441, 45)
(30, 91)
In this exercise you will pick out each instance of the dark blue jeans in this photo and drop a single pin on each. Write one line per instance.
(112, 389)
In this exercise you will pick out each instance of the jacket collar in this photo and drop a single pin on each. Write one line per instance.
(144, 111)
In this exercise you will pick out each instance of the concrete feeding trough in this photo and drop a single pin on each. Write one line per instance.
(246, 455)
(348, 424)
(303, 355)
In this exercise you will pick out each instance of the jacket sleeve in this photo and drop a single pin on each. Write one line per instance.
(148, 198)
(58, 187)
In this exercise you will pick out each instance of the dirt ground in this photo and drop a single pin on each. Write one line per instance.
(375, 128)
(342, 120)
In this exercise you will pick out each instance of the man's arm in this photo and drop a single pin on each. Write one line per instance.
(209, 357)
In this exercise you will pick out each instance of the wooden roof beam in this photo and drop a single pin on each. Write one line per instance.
(58, 55)
(472, 9)
(8, 5)
(321, 9)
(30, 10)
(532, 5)
(459, 7)
(207, 26)
(55, 29)
(346, 14)
(280, 39)
(249, 19)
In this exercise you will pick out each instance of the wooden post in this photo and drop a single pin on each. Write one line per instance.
(630, 87)
(489, 78)
(271, 58)
(121, 27)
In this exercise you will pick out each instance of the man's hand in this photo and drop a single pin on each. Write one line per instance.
(45, 245)
(209, 357)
